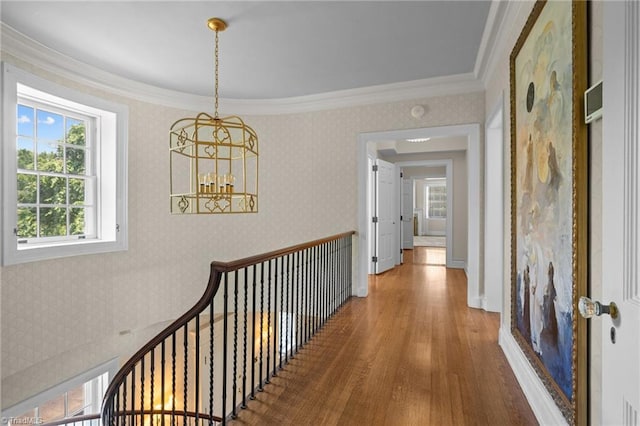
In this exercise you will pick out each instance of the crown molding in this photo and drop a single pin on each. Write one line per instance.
(35, 53)
(502, 15)
(491, 32)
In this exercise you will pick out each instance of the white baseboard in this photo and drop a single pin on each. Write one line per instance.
(545, 410)
(475, 303)
(457, 264)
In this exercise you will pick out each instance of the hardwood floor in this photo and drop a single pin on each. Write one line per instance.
(411, 353)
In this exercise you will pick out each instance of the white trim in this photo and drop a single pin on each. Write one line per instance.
(472, 131)
(20, 408)
(541, 403)
(448, 165)
(457, 264)
(491, 32)
(493, 294)
(21, 47)
(503, 20)
(113, 215)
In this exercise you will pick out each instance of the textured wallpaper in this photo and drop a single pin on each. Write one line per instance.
(62, 317)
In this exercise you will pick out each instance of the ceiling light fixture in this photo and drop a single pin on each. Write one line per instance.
(417, 140)
(213, 161)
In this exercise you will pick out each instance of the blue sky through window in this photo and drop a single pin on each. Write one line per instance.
(49, 125)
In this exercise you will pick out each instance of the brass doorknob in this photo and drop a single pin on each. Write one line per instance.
(588, 308)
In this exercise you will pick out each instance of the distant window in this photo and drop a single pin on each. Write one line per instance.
(436, 199)
(67, 151)
(79, 400)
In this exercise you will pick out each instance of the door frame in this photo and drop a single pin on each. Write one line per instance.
(474, 187)
(494, 222)
(448, 165)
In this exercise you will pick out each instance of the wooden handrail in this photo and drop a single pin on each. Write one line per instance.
(252, 260)
(217, 270)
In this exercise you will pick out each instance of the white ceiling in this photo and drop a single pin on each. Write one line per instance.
(271, 50)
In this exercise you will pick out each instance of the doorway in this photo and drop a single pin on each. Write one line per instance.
(434, 224)
(471, 132)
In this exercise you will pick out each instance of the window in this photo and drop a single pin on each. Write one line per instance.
(81, 399)
(436, 198)
(64, 156)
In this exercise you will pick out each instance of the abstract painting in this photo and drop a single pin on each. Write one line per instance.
(549, 198)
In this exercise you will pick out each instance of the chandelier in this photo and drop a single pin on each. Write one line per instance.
(213, 161)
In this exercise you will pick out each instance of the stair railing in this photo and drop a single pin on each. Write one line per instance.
(255, 315)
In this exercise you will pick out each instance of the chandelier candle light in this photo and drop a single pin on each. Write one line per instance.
(213, 161)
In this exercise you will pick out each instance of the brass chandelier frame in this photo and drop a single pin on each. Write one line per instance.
(213, 160)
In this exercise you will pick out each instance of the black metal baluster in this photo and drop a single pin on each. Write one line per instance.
(260, 388)
(124, 400)
(235, 345)
(299, 303)
(294, 303)
(320, 287)
(142, 391)
(315, 289)
(325, 287)
(305, 296)
(185, 395)
(294, 298)
(268, 375)
(334, 269)
(197, 370)
(117, 411)
(310, 293)
(342, 270)
(283, 284)
(288, 298)
(253, 334)
(244, 352)
(224, 351)
(162, 363)
(152, 365)
(211, 336)
(133, 396)
(173, 379)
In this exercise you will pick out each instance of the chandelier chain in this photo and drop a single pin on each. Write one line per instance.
(216, 77)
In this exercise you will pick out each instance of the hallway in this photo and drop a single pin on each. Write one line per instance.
(411, 353)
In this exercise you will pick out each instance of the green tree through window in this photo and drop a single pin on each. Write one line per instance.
(52, 177)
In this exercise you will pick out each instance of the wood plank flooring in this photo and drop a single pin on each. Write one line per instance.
(411, 353)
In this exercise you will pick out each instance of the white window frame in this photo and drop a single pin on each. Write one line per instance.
(111, 171)
(110, 368)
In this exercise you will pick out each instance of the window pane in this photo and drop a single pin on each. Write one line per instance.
(50, 126)
(75, 401)
(52, 410)
(76, 192)
(75, 132)
(25, 153)
(27, 220)
(25, 121)
(27, 188)
(53, 190)
(50, 156)
(76, 161)
(76, 221)
(53, 221)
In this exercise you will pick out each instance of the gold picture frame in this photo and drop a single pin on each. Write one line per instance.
(549, 199)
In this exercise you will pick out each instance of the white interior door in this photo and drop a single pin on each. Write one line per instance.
(386, 210)
(407, 214)
(621, 229)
